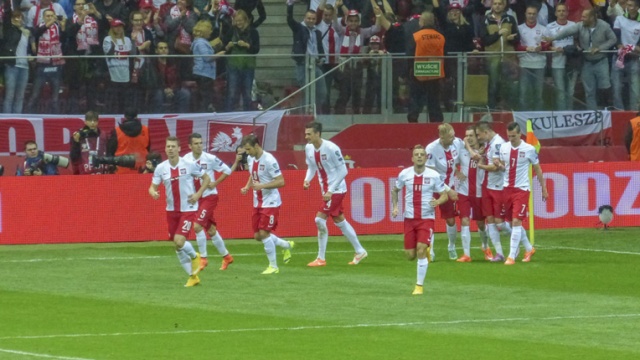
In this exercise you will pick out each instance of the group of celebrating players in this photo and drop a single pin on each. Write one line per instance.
(481, 178)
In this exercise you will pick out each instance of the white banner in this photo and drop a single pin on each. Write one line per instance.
(220, 131)
(562, 124)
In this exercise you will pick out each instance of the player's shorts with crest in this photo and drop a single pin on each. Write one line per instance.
(333, 207)
(516, 202)
(470, 207)
(179, 223)
(206, 207)
(447, 210)
(417, 231)
(265, 219)
(492, 203)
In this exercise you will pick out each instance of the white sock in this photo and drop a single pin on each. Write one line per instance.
(188, 249)
(423, 265)
(279, 242)
(219, 244)
(465, 234)
(504, 227)
(452, 234)
(494, 235)
(525, 241)
(515, 241)
(433, 241)
(483, 238)
(350, 234)
(323, 237)
(201, 239)
(270, 249)
(185, 261)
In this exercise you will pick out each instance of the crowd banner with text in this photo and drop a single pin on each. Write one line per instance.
(220, 131)
(114, 208)
(568, 127)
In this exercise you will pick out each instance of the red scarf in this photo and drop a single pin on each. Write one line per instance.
(185, 37)
(344, 50)
(49, 45)
(88, 33)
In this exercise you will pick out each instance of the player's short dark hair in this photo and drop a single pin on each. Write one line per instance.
(93, 115)
(173, 138)
(316, 126)
(250, 139)
(484, 126)
(310, 11)
(29, 142)
(513, 126)
(472, 127)
(417, 147)
(194, 136)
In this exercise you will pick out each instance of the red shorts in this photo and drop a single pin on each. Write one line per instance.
(470, 207)
(516, 202)
(333, 207)
(265, 219)
(204, 215)
(447, 210)
(417, 231)
(492, 203)
(179, 223)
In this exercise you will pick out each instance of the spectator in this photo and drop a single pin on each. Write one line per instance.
(353, 37)
(130, 138)
(577, 8)
(48, 37)
(153, 159)
(427, 42)
(331, 47)
(35, 16)
(500, 35)
(532, 63)
(119, 46)
(34, 163)
(632, 138)
(627, 30)
(142, 39)
(248, 6)
(564, 66)
(107, 11)
(82, 39)
(151, 19)
(204, 65)
(374, 76)
(307, 42)
(169, 87)
(86, 143)
(594, 35)
(179, 25)
(16, 70)
(242, 40)
(615, 9)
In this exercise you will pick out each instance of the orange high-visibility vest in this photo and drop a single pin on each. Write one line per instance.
(133, 145)
(634, 150)
(429, 43)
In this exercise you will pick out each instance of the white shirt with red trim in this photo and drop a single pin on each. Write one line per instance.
(532, 37)
(419, 191)
(472, 186)
(492, 151)
(444, 160)
(328, 163)
(178, 183)
(210, 164)
(264, 170)
(516, 164)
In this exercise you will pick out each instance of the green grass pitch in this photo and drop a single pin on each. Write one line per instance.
(578, 298)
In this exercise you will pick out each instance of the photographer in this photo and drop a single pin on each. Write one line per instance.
(87, 142)
(34, 164)
(130, 138)
(153, 159)
(240, 162)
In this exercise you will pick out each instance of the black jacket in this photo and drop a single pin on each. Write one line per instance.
(11, 39)
(301, 38)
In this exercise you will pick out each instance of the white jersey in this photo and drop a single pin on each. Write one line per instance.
(532, 36)
(328, 163)
(629, 30)
(444, 160)
(263, 171)
(472, 186)
(492, 151)
(559, 59)
(516, 164)
(178, 183)
(209, 163)
(419, 191)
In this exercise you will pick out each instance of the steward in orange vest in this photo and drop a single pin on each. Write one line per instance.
(130, 138)
(632, 138)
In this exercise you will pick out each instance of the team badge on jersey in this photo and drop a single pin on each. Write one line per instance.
(183, 171)
(427, 181)
(261, 167)
(323, 156)
(203, 166)
(521, 154)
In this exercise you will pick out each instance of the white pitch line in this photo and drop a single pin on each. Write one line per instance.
(591, 250)
(324, 327)
(16, 352)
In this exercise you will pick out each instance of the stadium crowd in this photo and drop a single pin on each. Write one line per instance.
(513, 33)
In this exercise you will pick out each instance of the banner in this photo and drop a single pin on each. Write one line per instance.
(568, 127)
(113, 208)
(220, 131)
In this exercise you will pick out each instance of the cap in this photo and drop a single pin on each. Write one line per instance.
(130, 113)
(116, 22)
(454, 6)
(353, 13)
(375, 39)
(145, 4)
